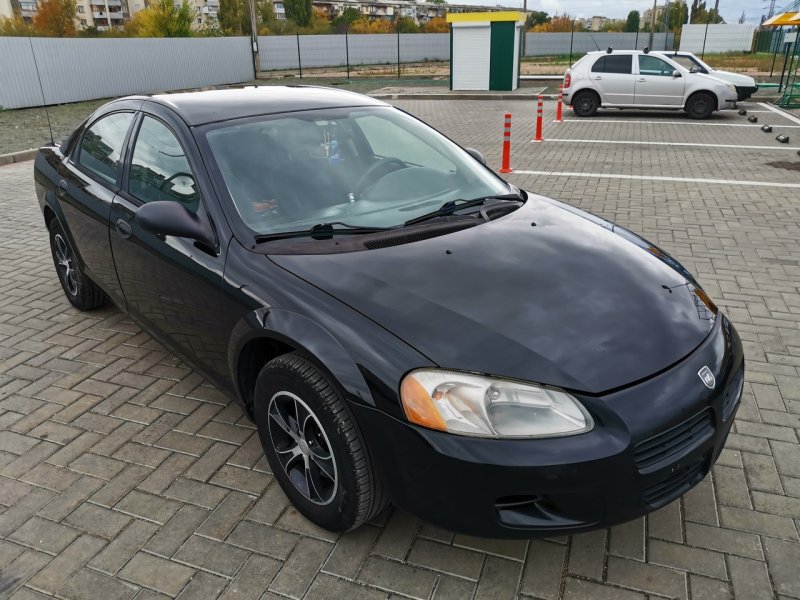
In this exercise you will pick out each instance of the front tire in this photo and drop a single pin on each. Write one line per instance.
(81, 291)
(585, 104)
(313, 445)
(700, 105)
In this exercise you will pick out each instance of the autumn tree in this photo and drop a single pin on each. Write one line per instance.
(406, 25)
(234, 17)
(56, 18)
(15, 26)
(366, 25)
(345, 18)
(436, 25)
(632, 22)
(559, 24)
(298, 11)
(162, 19)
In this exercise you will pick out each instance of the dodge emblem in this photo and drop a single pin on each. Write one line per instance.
(707, 377)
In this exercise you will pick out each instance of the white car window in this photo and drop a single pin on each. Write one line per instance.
(650, 65)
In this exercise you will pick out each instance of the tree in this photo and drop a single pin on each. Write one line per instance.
(56, 18)
(615, 26)
(559, 24)
(345, 18)
(15, 26)
(298, 11)
(435, 25)
(438, 2)
(366, 25)
(406, 25)
(536, 17)
(632, 22)
(677, 16)
(234, 17)
(162, 19)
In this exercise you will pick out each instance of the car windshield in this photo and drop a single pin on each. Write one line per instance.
(367, 166)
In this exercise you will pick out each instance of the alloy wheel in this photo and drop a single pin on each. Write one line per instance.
(302, 447)
(64, 265)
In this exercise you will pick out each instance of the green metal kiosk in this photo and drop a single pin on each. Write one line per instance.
(485, 50)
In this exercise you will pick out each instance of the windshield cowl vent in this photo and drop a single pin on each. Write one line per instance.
(415, 236)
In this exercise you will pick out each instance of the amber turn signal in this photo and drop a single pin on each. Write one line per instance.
(418, 405)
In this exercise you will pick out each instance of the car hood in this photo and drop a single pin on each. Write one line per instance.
(734, 78)
(546, 294)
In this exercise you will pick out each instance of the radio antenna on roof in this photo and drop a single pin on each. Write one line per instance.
(41, 89)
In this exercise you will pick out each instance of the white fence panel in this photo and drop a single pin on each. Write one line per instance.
(721, 37)
(75, 69)
(551, 44)
(422, 47)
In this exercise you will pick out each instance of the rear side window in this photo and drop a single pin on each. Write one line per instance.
(101, 145)
(614, 63)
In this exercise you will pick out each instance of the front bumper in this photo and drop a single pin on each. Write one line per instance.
(744, 92)
(651, 443)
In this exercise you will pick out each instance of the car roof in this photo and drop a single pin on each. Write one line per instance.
(199, 108)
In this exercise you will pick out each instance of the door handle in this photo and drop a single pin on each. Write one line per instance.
(641, 79)
(597, 77)
(61, 189)
(124, 228)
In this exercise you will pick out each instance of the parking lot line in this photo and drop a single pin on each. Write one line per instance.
(641, 143)
(658, 178)
(780, 112)
(638, 122)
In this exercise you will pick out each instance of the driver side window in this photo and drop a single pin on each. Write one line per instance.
(159, 168)
(650, 65)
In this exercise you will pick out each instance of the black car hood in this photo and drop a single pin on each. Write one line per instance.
(571, 301)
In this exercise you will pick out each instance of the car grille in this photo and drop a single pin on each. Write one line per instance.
(732, 395)
(676, 484)
(673, 443)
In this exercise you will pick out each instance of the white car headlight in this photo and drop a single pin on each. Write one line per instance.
(731, 88)
(469, 404)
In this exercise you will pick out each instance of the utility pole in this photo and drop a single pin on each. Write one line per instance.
(254, 38)
(525, 24)
(652, 24)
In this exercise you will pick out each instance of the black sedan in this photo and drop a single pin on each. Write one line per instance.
(401, 323)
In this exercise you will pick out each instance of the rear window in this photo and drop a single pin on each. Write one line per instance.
(619, 63)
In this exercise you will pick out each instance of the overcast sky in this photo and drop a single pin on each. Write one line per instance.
(730, 10)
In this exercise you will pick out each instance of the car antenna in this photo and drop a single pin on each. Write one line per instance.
(596, 45)
(609, 50)
(41, 89)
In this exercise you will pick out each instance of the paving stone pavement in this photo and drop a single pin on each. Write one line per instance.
(124, 475)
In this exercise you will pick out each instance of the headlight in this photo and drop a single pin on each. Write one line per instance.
(469, 404)
(731, 88)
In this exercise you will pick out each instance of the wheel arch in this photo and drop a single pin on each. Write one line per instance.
(702, 91)
(590, 90)
(266, 334)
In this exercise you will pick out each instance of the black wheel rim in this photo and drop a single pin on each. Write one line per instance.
(302, 447)
(585, 105)
(64, 266)
(700, 106)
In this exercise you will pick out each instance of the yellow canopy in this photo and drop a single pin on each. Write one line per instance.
(788, 18)
(484, 16)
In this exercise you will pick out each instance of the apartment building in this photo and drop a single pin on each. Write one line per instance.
(6, 10)
(102, 14)
(421, 12)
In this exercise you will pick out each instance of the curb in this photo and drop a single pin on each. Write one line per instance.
(414, 96)
(15, 157)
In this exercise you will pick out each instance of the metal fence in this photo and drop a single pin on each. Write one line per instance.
(549, 44)
(723, 37)
(298, 52)
(75, 69)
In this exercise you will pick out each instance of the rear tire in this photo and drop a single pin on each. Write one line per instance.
(81, 291)
(313, 445)
(700, 105)
(585, 103)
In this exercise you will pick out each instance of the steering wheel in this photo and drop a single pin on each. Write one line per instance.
(384, 166)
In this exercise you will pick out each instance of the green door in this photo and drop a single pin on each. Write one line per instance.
(501, 59)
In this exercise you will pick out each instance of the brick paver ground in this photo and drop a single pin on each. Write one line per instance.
(124, 475)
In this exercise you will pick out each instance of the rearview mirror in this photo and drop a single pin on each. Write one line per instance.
(676, 73)
(165, 217)
(476, 155)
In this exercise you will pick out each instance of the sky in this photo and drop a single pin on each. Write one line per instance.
(730, 10)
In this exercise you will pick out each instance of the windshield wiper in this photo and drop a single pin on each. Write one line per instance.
(320, 231)
(455, 205)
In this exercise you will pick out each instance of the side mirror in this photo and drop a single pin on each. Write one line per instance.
(676, 73)
(166, 217)
(476, 155)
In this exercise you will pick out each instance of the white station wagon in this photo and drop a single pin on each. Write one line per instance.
(638, 79)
